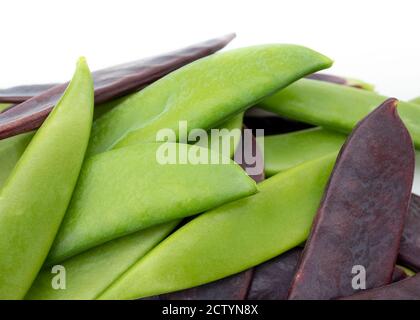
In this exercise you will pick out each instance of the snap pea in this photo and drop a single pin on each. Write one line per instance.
(106, 205)
(35, 196)
(204, 93)
(335, 106)
(11, 149)
(90, 273)
(231, 238)
(285, 151)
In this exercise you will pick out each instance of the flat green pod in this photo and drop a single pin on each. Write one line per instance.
(11, 149)
(36, 194)
(90, 273)
(4, 106)
(204, 93)
(335, 106)
(127, 189)
(285, 151)
(233, 237)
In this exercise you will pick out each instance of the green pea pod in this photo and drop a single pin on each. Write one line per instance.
(233, 237)
(11, 149)
(334, 106)
(36, 194)
(229, 136)
(125, 190)
(90, 273)
(415, 100)
(204, 93)
(285, 151)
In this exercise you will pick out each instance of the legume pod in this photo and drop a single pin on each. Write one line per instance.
(4, 106)
(335, 106)
(109, 83)
(204, 93)
(231, 238)
(361, 217)
(285, 151)
(117, 194)
(35, 197)
(11, 149)
(90, 273)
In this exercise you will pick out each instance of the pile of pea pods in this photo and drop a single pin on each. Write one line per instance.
(86, 211)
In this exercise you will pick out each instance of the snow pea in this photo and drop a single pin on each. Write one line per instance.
(90, 273)
(335, 106)
(204, 93)
(11, 149)
(231, 238)
(35, 197)
(106, 205)
(285, 151)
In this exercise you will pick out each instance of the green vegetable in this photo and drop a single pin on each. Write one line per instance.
(91, 272)
(126, 190)
(11, 149)
(233, 237)
(415, 100)
(285, 151)
(204, 93)
(4, 106)
(230, 135)
(35, 196)
(334, 106)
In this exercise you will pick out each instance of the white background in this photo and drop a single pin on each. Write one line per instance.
(374, 40)
(377, 41)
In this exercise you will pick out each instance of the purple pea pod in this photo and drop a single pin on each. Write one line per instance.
(407, 289)
(109, 83)
(358, 227)
(410, 241)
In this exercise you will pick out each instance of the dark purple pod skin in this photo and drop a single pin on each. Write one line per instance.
(410, 241)
(109, 83)
(398, 274)
(407, 289)
(327, 78)
(22, 93)
(272, 279)
(361, 216)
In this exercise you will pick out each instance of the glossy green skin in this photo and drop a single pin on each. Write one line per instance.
(11, 149)
(334, 106)
(204, 93)
(90, 273)
(285, 151)
(125, 190)
(233, 237)
(36, 195)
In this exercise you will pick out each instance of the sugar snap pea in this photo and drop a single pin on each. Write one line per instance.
(361, 216)
(231, 238)
(204, 93)
(91, 272)
(106, 205)
(282, 152)
(11, 149)
(35, 197)
(109, 83)
(335, 106)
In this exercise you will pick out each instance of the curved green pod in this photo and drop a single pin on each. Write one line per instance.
(90, 273)
(204, 93)
(334, 106)
(125, 190)
(285, 151)
(35, 196)
(233, 237)
(11, 149)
